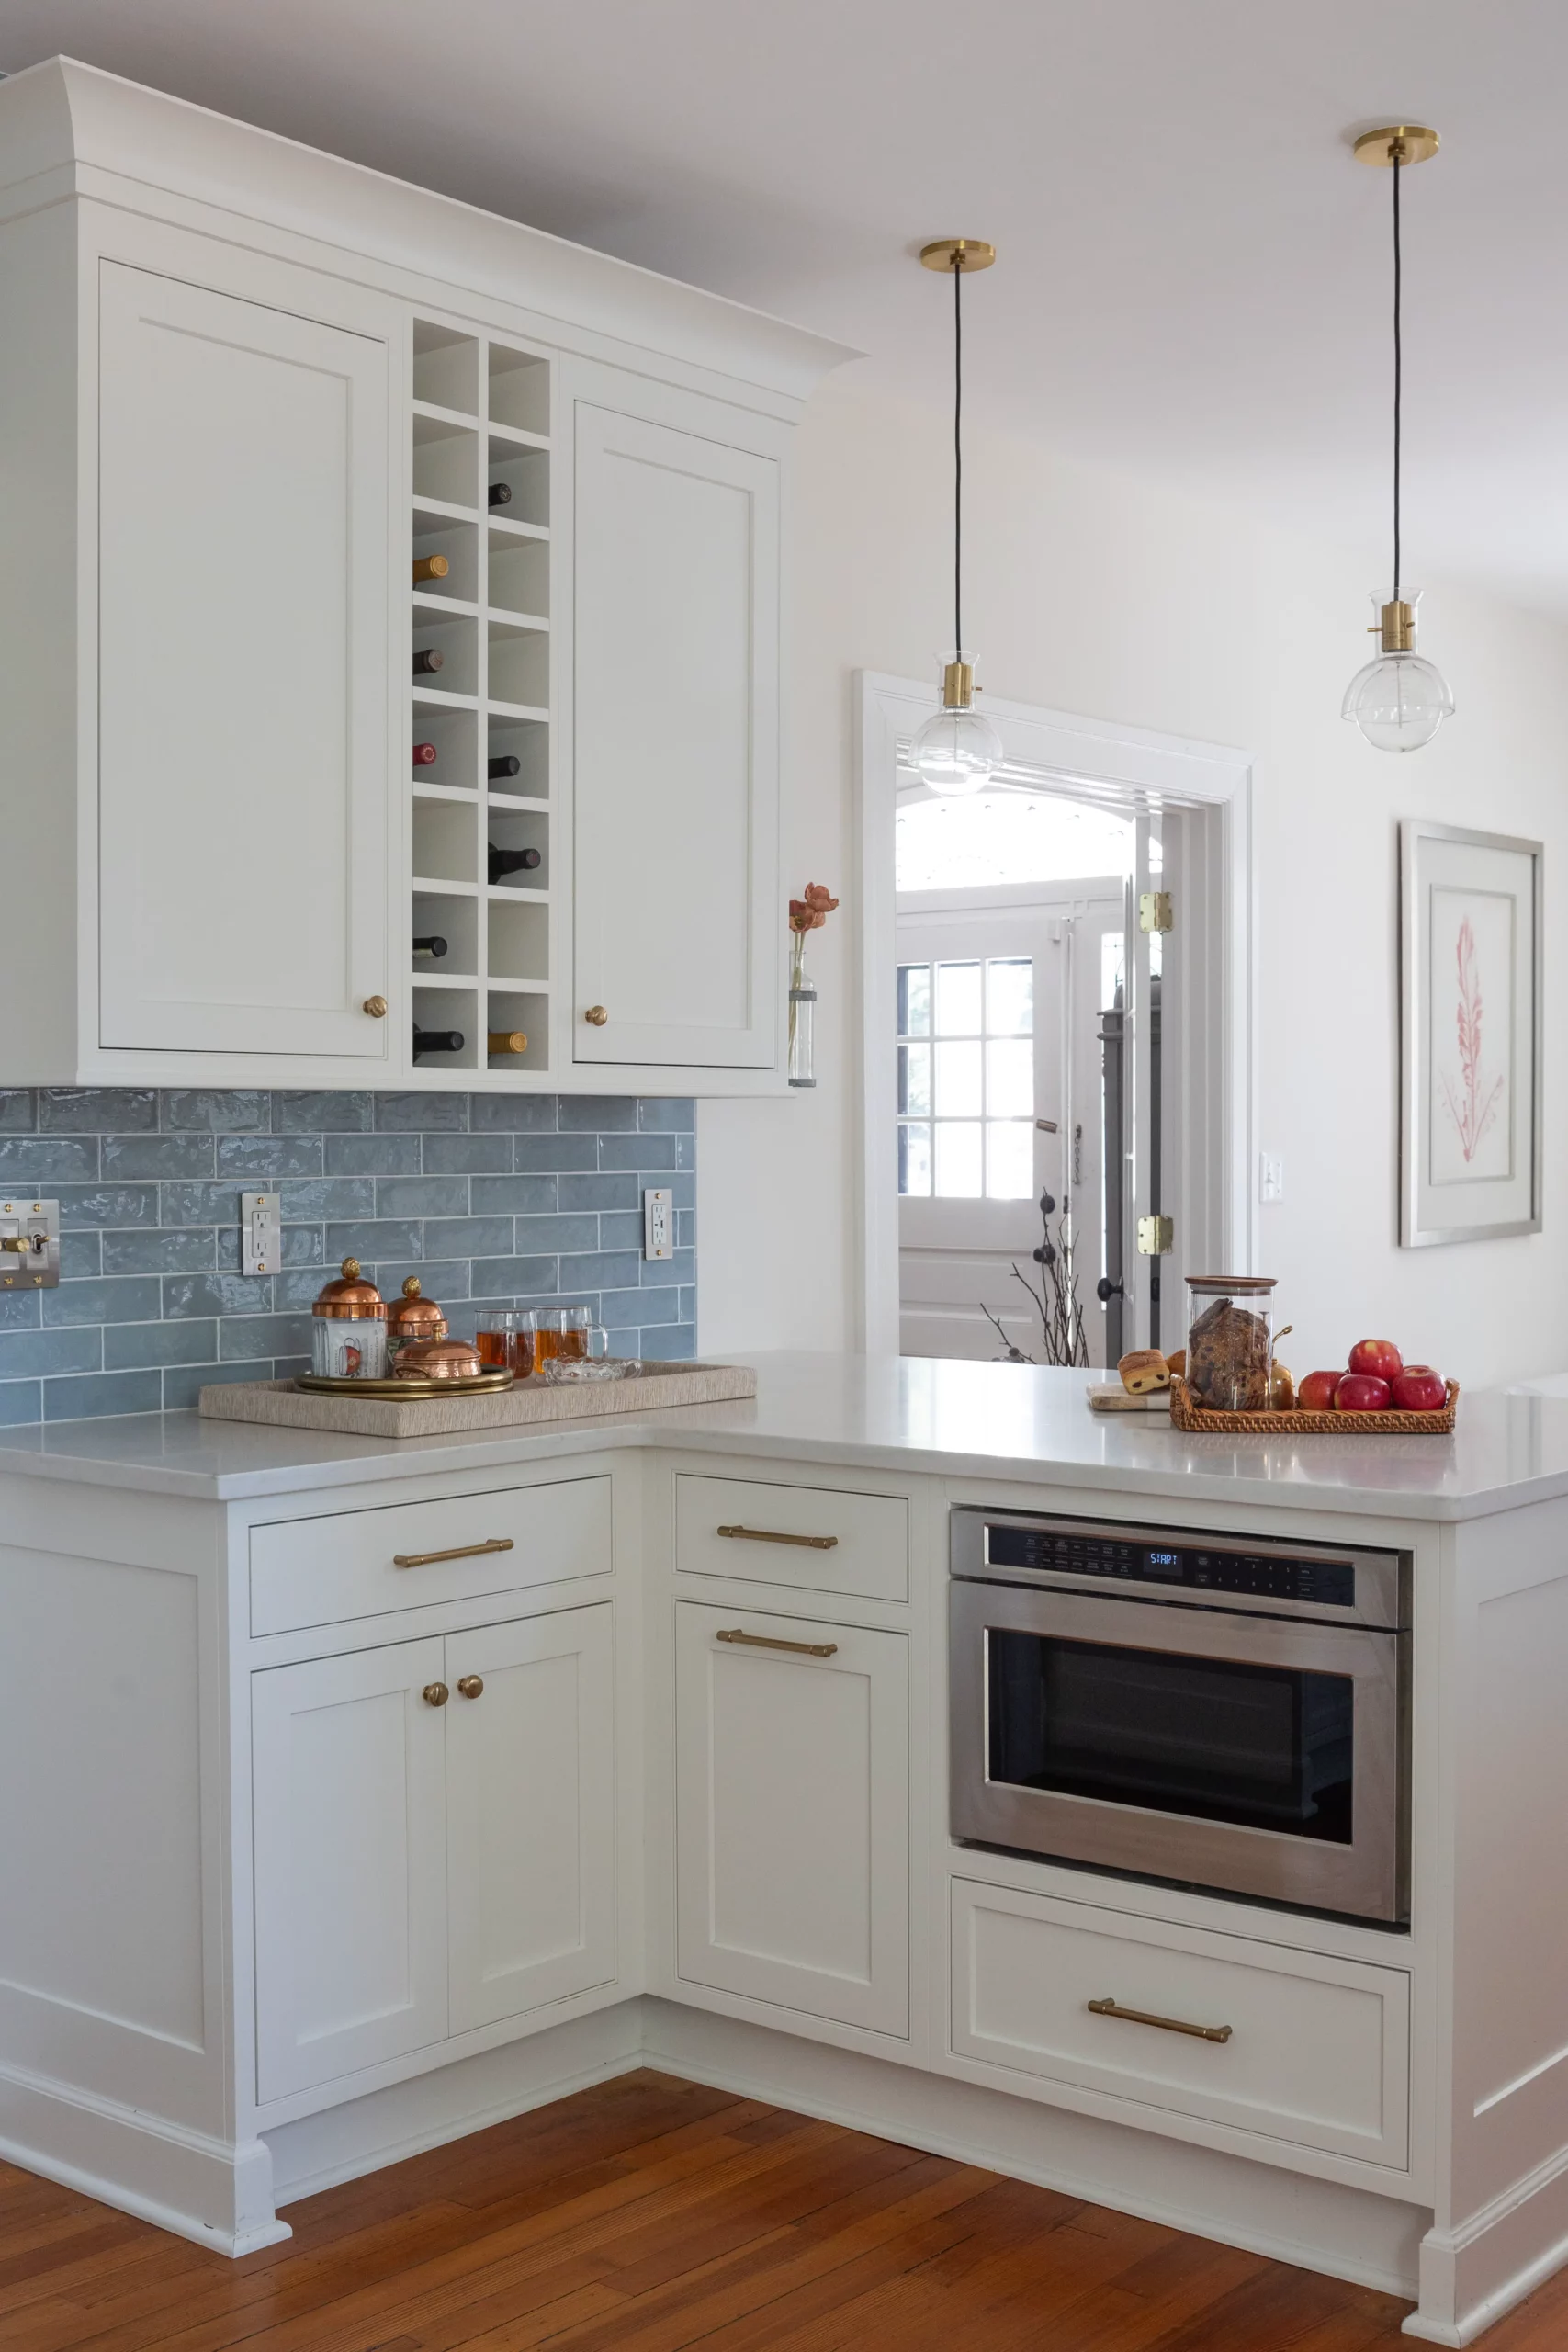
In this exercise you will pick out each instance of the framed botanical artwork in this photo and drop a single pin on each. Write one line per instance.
(1470, 1034)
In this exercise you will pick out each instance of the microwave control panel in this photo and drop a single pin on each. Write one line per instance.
(1267, 1575)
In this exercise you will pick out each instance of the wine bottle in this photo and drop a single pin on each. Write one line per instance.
(426, 664)
(504, 766)
(435, 1041)
(500, 493)
(504, 862)
(430, 944)
(507, 1041)
(424, 756)
(430, 566)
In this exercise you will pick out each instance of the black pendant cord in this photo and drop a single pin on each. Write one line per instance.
(1398, 369)
(958, 455)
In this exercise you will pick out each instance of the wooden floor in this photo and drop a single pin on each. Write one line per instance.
(651, 2214)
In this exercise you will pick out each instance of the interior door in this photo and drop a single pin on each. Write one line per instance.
(350, 1859)
(679, 925)
(242, 683)
(1000, 1098)
(793, 1812)
(531, 1777)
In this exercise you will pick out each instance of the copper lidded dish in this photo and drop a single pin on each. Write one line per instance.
(439, 1359)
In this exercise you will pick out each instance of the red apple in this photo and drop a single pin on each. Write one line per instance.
(1315, 1394)
(1361, 1392)
(1377, 1360)
(1420, 1389)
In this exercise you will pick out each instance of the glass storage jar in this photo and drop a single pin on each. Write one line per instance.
(1230, 1341)
(348, 1327)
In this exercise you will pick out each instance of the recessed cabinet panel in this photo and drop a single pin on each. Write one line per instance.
(242, 620)
(676, 746)
(350, 1863)
(793, 1812)
(530, 1768)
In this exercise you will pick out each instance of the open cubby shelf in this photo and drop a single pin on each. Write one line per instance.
(480, 415)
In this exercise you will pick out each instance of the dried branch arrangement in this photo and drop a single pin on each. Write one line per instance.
(1053, 1290)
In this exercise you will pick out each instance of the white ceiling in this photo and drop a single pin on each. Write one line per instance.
(1194, 278)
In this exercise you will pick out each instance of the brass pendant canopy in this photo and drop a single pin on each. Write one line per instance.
(958, 252)
(1397, 143)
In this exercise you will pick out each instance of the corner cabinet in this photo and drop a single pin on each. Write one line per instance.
(395, 573)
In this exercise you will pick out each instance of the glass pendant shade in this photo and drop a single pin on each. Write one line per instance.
(1400, 699)
(957, 751)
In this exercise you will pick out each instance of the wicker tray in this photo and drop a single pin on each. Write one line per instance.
(1199, 1419)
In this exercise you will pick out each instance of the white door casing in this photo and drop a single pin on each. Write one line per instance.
(242, 601)
(530, 1777)
(792, 1813)
(679, 927)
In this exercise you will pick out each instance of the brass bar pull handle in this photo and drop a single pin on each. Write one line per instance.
(775, 1535)
(1167, 2025)
(463, 1552)
(771, 1641)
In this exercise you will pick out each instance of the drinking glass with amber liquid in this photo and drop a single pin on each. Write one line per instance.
(505, 1340)
(575, 1325)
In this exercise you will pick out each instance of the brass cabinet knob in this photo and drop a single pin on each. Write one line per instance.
(437, 1694)
(597, 1016)
(375, 1006)
(470, 1685)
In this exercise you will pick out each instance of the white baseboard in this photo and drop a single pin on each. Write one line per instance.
(219, 2193)
(1372, 2241)
(1471, 2275)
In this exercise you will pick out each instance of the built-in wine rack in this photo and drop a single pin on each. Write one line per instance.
(480, 759)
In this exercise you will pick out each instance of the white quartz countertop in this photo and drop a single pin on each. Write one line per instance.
(910, 1414)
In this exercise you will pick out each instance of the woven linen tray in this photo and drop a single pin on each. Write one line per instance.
(650, 1389)
(1199, 1419)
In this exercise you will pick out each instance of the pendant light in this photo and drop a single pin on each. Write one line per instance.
(957, 751)
(1399, 700)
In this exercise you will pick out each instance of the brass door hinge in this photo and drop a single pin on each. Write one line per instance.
(1154, 911)
(1156, 1236)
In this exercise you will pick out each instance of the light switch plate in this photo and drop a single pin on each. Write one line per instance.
(261, 1233)
(35, 1226)
(659, 1224)
(1271, 1177)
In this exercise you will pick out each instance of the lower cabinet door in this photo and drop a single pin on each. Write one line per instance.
(530, 1771)
(793, 1812)
(349, 1804)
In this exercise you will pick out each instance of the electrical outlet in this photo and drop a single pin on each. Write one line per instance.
(659, 1225)
(1271, 1177)
(261, 1233)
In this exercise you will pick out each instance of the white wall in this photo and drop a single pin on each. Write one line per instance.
(1089, 593)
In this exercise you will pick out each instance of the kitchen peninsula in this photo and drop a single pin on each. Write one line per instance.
(366, 1791)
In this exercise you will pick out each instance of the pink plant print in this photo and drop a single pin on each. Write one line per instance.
(1471, 1105)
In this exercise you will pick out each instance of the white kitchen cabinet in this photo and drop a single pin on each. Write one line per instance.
(679, 921)
(434, 1840)
(531, 1788)
(252, 394)
(792, 1805)
(348, 1761)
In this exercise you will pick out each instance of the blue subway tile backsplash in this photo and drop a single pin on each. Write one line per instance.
(493, 1200)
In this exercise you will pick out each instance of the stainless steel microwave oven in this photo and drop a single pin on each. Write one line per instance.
(1225, 1713)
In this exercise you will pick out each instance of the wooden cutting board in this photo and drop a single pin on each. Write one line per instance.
(282, 1406)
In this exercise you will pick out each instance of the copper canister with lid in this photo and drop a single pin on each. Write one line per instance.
(348, 1327)
(410, 1319)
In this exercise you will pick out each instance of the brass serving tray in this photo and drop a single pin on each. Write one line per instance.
(484, 1384)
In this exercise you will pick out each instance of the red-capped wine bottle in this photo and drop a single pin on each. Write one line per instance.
(500, 493)
(424, 756)
(430, 944)
(504, 862)
(435, 1041)
(426, 664)
(504, 765)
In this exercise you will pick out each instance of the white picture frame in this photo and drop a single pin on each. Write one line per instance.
(1471, 1059)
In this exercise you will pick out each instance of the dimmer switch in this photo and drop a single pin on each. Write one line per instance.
(29, 1244)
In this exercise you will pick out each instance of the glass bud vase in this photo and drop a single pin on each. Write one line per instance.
(802, 1022)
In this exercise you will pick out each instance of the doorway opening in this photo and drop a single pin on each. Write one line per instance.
(1056, 992)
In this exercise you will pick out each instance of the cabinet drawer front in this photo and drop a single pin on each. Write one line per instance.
(320, 1571)
(832, 1542)
(1317, 2054)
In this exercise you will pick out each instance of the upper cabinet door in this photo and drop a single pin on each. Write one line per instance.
(676, 738)
(244, 691)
